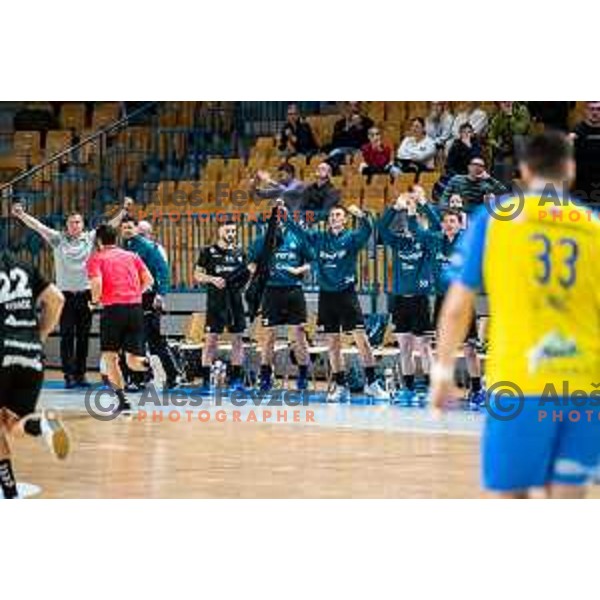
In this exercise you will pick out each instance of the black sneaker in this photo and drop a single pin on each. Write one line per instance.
(82, 382)
(70, 383)
(124, 408)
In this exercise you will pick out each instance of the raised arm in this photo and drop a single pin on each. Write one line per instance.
(389, 237)
(49, 234)
(116, 220)
(426, 209)
(364, 230)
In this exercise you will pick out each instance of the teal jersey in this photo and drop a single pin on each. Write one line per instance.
(413, 249)
(291, 251)
(335, 256)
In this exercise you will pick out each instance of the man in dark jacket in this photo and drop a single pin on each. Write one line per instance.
(321, 195)
(296, 136)
(586, 140)
(153, 301)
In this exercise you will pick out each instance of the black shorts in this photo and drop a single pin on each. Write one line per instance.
(19, 389)
(226, 313)
(411, 314)
(339, 311)
(283, 306)
(437, 307)
(122, 328)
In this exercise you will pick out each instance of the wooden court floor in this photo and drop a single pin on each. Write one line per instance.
(131, 459)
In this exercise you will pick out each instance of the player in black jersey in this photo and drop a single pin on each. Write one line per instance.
(22, 292)
(223, 268)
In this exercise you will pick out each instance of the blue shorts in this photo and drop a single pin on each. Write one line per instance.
(544, 443)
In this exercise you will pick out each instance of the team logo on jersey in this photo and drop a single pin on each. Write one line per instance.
(551, 346)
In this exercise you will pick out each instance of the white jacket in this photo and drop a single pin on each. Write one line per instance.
(420, 152)
(440, 131)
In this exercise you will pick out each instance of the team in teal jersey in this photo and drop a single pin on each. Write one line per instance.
(335, 255)
(283, 301)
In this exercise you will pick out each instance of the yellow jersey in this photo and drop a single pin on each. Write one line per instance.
(540, 268)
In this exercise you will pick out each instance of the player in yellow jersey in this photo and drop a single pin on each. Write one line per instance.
(537, 256)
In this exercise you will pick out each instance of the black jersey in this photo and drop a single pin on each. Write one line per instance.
(227, 263)
(21, 285)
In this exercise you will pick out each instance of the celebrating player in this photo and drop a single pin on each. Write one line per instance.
(22, 291)
(541, 271)
(118, 279)
(71, 249)
(223, 268)
(283, 301)
(336, 254)
(412, 247)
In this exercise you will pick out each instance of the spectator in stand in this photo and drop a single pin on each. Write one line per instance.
(417, 151)
(287, 187)
(474, 188)
(438, 124)
(508, 127)
(553, 115)
(350, 134)
(586, 140)
(376, 156)
(321, 195)
(475, 116)
(296, 136)
(462, 150)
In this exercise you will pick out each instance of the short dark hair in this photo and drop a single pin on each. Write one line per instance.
(228, 221)
(73, 213)
(288, 168)
(339, 207)
(129, 219)
(546, 154)
(450, 212)
(419, 119)
(106, 234)
(465, 125)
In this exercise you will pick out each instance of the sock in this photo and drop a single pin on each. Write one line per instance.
(370, 374)
(205, 375)
(340, 378)
(236, 372)
(7, 479)
(33, 427)
(303, 371)
(409, 382)
(475, 384)
(265, 372)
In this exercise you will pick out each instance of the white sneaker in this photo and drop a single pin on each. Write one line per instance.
(376, 391)
(338, 393)
(55, 435)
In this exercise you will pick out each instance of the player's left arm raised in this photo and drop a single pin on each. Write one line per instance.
(365, 227)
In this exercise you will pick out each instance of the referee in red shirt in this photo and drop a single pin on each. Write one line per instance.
(117, 280)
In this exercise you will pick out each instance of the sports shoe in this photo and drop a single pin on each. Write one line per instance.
(339, 393)
(476, 400)
(376, 391)
(404, 397)
(82, 382)
(55, 435)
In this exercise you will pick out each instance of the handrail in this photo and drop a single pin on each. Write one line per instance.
(70, 149)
